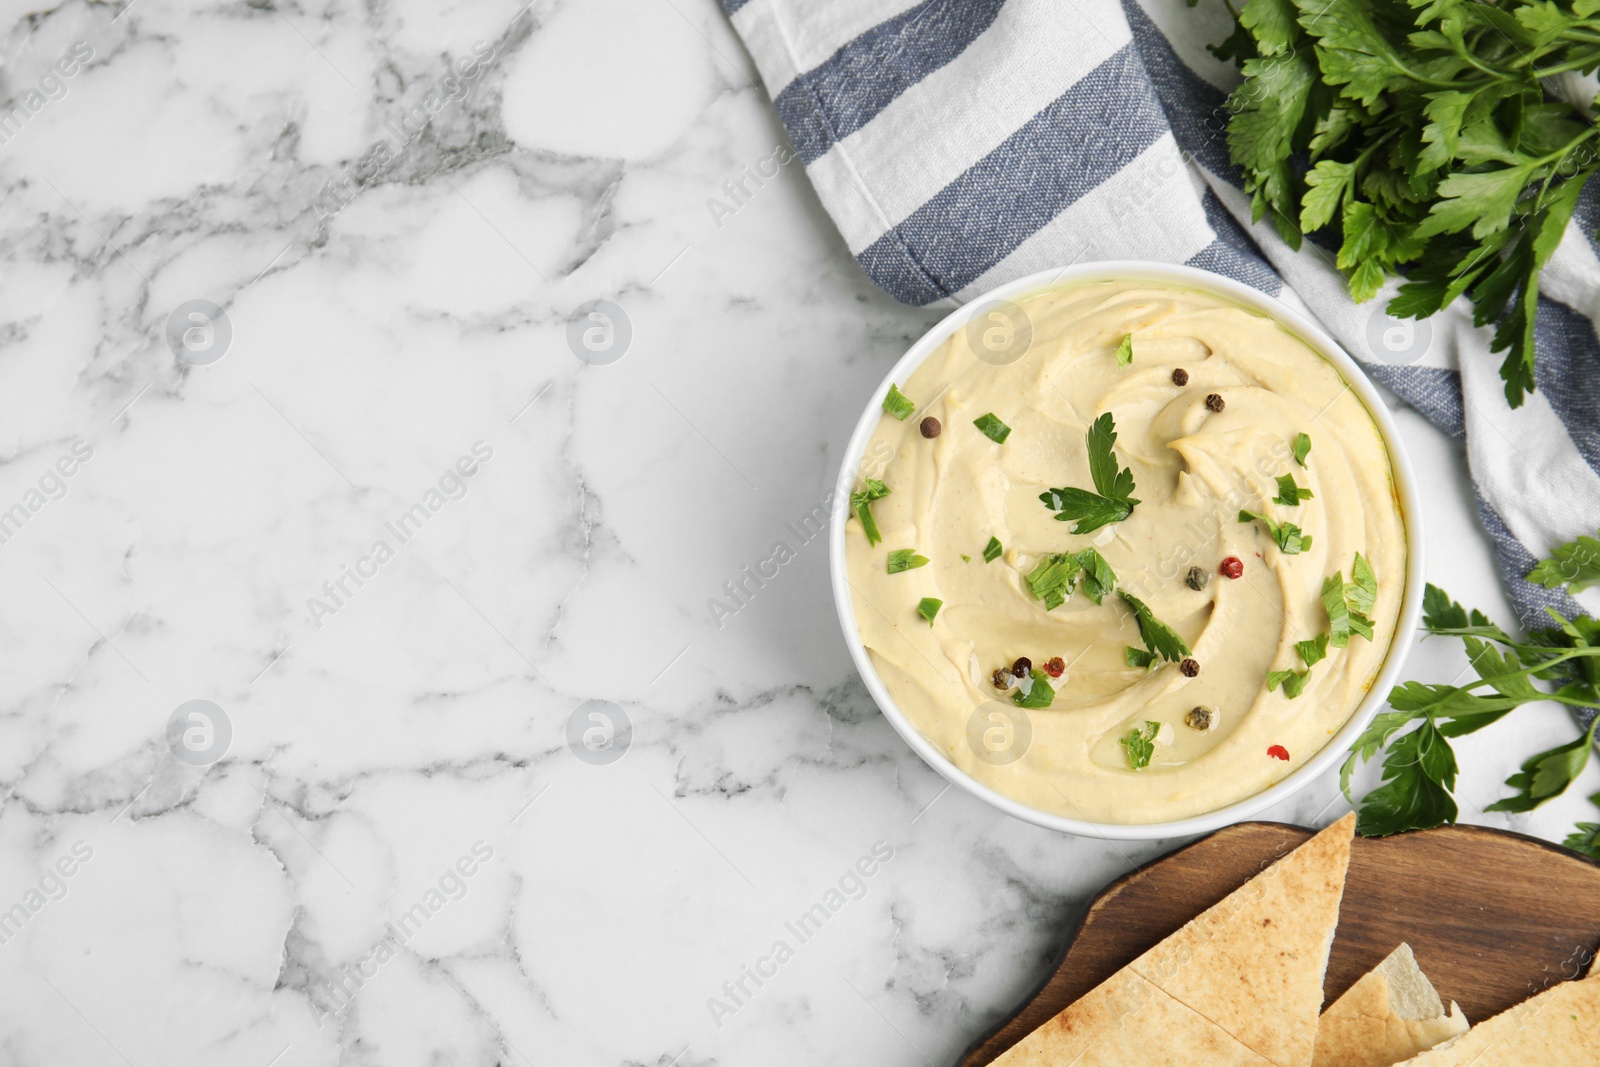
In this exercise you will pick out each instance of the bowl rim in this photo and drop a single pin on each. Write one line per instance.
(1171, 276)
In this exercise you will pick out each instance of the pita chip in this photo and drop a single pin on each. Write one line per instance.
(1238, 986)
(1558, 1028)
(1390, 1014)
(1126, 1020)
(1254, 962)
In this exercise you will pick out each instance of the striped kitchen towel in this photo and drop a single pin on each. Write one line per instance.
(959, 144)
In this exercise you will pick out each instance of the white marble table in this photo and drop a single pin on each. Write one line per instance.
(402, 740)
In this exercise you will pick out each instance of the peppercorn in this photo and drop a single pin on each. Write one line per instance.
(1055, 667)
(1022, 666)
(931, 427)
(1215, 402)
(1199, 718)
(1189, 667)
(1231, 567)
(1198, 577)
(1180, 377)
(1001, 679)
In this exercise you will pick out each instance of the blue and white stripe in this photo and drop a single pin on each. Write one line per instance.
(959, 144)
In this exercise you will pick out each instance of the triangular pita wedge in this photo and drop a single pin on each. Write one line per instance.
(1390, 1014)
(1558, 1028)
(1123, 1021)
(1254, 962)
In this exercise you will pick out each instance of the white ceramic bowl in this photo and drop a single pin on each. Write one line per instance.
(1179, 277)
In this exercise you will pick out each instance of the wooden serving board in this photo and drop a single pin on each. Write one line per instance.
(1492, 916)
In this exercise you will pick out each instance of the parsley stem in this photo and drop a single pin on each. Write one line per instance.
(1565, 149)
(1544, 664)
(1588, 62)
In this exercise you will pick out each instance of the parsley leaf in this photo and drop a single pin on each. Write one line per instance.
(1125, 351)
(1139, 658)
(1293, 682)
(1585, 838)
(928, 607)
(1547, 774)
(1290, 494)
(1040, 692)
(1091, 510)
(1302, 448)
(1362, 592)
(905, 559)
(1314, 651)
(1140, 744)
(1114, 500)
(1118, 485)
(1051, 579)
(1349, 605)
(1158, 636)
(1419, 776)
(992, 428)
(859, 502)
(1098, 577)
(1290, 538)
(1575, 564)
(897, 403)
(992, 550)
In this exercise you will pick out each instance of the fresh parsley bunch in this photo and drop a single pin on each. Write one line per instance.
(1419, 135)
(1419, 766)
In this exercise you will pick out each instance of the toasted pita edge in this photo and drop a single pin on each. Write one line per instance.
(1286, 915)
(1558, 1027)
(1390, 1014)
(1126, 1020)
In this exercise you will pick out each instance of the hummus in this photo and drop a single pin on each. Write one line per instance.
(1194, 469)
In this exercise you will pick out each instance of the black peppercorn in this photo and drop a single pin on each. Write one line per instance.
(1197, 578)
(1189, 667)
(1180, 377)
(1022, 666)
(931, 427)
(1199, 718)
(1215, 402)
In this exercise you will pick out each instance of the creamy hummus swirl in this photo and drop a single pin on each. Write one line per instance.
(1194, 469)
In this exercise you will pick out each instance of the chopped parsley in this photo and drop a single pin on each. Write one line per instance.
(992, 427)
(992, 550)
(1113, 500)
(1314, 651)
(965, 558)
(1051, 579)
(859, 502)
(1040, 692)
(928, 607)
(1311, 652)
(1140, 744)
(1290, 494)
(1349, 604)
(1098, 577)
(1158, 636)
(1293, 682)
(1290, 538)
(897, 403)
(905, 559)
(1302, 448)
(1125, 351)
(1139, 658)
